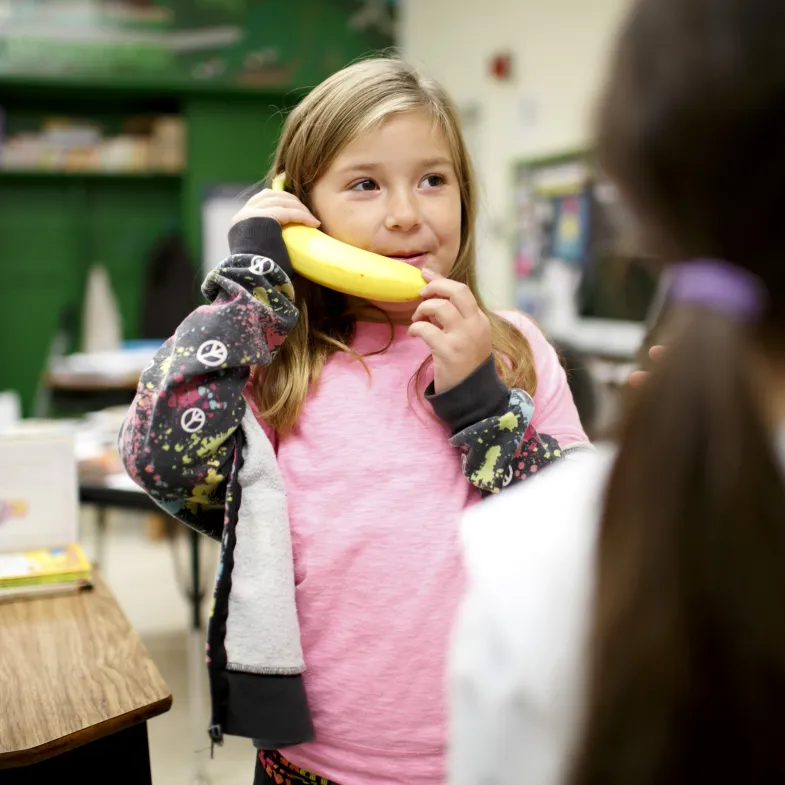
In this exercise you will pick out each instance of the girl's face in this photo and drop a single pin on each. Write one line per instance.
(394, 191)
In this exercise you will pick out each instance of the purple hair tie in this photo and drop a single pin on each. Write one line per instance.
(718, 286)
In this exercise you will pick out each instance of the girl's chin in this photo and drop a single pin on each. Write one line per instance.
(370, 311)
(398, 312)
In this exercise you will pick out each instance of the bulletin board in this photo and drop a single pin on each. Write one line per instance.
(568, 213)
(552, 211)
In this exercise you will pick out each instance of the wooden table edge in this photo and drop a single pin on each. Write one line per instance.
(31, 755)
(90, 382)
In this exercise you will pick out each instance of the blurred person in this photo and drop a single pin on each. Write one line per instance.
(347, 437)
(625, 621)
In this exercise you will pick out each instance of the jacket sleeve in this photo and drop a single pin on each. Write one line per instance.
(494, 427)
(179, 437)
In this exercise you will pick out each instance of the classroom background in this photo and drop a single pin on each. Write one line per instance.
(130, 133)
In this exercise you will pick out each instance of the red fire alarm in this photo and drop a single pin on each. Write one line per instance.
(501, 67)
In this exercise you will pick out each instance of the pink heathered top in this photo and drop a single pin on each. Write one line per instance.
(376, 494)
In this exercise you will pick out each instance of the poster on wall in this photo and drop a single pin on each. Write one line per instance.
(569, 219)
(552, 213)
(248, 43)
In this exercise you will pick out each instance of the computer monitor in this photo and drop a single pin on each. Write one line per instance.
(580, 268)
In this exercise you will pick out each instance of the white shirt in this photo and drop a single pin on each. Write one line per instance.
(517, 670)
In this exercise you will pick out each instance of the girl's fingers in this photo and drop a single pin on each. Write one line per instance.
(284, 215)
(429, 333)
(457, 293)
(269, 197)
(443, 312)
(638, 378)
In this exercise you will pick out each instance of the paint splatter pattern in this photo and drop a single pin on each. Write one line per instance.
(276, 769)
(176, 440)
(503, 450)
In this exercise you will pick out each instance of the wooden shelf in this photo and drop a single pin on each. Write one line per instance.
(57, 174)
(120, 86)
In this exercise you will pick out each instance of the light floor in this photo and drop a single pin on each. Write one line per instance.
(144, 579)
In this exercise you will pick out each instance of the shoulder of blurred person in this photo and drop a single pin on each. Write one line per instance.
(519, 646)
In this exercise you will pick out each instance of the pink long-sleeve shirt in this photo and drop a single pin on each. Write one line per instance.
(376, 494)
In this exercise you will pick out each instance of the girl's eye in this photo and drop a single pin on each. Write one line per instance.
(433, 181)
(364, 185)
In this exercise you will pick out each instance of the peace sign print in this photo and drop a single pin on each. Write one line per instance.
(212, 353)
(508, 476)
(261, 265)
(193, 420)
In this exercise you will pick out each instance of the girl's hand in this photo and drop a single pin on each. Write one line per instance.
(456, 331)
(286, 208)
(638, 378)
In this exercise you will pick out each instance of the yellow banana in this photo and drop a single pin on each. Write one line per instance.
(344, 268)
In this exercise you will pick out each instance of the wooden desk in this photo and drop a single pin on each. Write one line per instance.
(76, 394)
(92, 381)
(76, 689)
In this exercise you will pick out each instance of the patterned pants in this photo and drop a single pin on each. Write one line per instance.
(273, 769)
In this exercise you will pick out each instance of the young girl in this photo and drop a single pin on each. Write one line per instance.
(385, 422)
(655, 596)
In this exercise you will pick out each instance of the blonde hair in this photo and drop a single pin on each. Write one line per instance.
(349, 103)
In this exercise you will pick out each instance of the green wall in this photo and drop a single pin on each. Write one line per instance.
(53, 227)
(230, 141)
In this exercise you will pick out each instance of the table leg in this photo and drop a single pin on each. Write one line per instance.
(100, 535)
(197, 592)
(121, 758)
(196, 663)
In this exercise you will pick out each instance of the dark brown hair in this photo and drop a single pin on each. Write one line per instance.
(687, 667)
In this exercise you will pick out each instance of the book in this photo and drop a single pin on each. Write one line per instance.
(57, 568)
(11, 593)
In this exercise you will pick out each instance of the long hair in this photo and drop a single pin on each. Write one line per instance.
(349, 103)
(687, 664)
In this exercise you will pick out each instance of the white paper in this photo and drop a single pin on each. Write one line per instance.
(39, 505)
(218, 208)
(102, 329)
(14, 565)
(527, 117)
(121, 482)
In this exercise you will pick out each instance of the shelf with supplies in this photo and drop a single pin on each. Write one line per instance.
(61, 174)
(101, 141)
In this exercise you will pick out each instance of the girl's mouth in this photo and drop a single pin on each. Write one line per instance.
(416, 259)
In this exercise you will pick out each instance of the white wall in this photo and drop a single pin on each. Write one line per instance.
(560, 50)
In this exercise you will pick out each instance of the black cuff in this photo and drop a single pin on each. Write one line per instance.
(272, 709)
(479, 396)
(260, 237)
